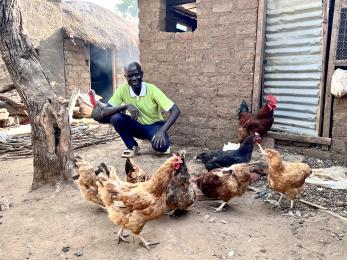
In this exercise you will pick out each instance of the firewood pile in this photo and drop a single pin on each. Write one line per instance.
(15, 147)
(13, 112)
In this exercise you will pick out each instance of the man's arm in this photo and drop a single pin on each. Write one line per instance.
(110, 110)
(159, 137)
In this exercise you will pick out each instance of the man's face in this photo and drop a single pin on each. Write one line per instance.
(134, 76)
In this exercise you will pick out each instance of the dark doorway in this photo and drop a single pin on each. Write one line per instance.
(101, 72)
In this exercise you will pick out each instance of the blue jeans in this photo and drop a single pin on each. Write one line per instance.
(129, 128)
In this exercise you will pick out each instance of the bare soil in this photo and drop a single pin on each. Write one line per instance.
(45, 224)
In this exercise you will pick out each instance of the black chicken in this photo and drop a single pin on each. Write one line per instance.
(218, 159)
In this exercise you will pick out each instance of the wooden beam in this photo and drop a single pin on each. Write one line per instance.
(259, 57)
(179, 2)
(114, 70)
(323, 89)
(331, 68)
(299, 138)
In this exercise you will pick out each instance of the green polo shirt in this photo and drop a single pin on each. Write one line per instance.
(150, 102)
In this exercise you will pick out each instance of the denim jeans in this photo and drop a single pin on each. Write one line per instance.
(129, 128)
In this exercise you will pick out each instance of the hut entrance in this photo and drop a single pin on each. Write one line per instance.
(101, 71)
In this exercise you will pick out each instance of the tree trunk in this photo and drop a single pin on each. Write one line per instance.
(51, 136)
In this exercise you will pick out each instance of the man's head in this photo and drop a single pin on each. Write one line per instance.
(134, 75)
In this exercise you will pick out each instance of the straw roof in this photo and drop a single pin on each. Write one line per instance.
(97, 25)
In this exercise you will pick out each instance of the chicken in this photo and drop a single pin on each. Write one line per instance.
(87, 178)
(180, 194)
(134, 173)
(285, 177)
(225, 183)
(97, 108)
(260, 122)
(130, 205)
(218, 159)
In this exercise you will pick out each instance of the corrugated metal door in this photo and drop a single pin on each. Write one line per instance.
(293, 62)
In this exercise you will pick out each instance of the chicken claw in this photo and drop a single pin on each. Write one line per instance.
(145, 243)
(220, 208)
(170, 213)
(121, 237)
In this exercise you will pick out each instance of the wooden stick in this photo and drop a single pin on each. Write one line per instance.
(324, 209)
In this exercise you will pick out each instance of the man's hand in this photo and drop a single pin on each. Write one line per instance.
(158, 139)
(134, 112)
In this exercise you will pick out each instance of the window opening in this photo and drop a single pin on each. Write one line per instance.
(181, 15)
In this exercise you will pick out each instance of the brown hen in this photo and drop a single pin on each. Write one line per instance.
(130, 206)
(285, 177)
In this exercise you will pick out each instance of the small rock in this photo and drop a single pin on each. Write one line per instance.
(301, 221)
(78, 253)
(223, 222)
(213, 253)
(212, 220)
(231, 253)
(65, 249)
(263, 251)
(206, 216)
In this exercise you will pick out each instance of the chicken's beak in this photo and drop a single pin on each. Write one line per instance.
(261, 149)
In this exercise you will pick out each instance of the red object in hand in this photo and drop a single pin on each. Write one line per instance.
(91, 94)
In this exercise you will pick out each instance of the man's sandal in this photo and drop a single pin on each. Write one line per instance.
(128, 153)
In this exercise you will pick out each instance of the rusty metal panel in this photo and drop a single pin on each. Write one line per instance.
(293, 59)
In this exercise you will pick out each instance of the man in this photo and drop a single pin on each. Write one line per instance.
(145, 103)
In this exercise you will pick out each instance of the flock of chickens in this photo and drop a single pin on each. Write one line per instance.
(143, 197)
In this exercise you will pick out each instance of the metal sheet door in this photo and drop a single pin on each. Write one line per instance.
(293, 61)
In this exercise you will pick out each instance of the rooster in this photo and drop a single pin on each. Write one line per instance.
(97, 108)
(219, 159)
(130, 205)
(260, 122)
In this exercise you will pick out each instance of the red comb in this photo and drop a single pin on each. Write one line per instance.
(91, 94)
(177, 162)
(271, 98)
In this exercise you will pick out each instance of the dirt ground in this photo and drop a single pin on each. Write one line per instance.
(44, 224)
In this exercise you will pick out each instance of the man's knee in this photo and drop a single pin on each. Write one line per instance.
(164, 147)
(117, 119)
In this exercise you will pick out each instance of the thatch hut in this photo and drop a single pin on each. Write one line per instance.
(97, 45)
(81, 45)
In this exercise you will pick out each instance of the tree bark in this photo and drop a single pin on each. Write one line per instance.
(51, 135)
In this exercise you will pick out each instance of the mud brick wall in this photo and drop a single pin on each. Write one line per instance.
(339, 130)
(207, 72)
(77, 71)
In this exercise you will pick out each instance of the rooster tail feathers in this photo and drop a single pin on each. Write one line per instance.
(243, 108)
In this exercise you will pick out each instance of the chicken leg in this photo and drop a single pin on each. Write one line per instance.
(278, 203)
(145, 243)
(121, 237)
(220, 208)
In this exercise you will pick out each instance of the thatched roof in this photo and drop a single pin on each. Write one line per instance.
(97, 25)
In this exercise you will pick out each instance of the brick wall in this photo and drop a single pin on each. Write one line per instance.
(207, 72)
(339, 131)
(77, 72)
